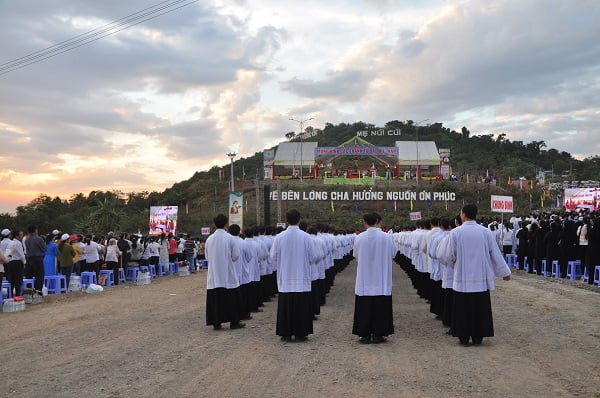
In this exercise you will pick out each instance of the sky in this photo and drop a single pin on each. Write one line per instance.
(151, 105)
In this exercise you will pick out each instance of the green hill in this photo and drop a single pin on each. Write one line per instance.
(205, 194)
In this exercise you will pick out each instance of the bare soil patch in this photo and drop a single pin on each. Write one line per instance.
(151, 341)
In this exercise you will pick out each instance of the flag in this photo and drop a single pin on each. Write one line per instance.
(186, 208)
(542, 200)
(446, 204)
(332, 208)
(530, 201)
(467, 178)
(243, 172)
(509, 183)
(531, 184)
(394, 206)
(411, 205)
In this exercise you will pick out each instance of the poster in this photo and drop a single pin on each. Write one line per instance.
(205, 231)
(502, 204)
(268, 161)
(236, 208)
(163, 219)
(582, 198)
(415, 215)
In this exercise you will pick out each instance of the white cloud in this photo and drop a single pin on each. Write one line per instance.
(160, 101)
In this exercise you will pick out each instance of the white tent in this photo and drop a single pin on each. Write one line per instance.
(428, 153)
(289, 154)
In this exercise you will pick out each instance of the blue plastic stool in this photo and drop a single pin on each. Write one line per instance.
(555, 269)
(173, 268)
(544, 269)
(161, 270)
(144, 268)
(110, 276)
(27, 283)
(585, 274)
(121, 276)
(203, 264)
(573, 270)
(511, 260)
(597, 275)
(152, 270)
(87, 278)
(132, 273)
(9, 292)
(56, 284)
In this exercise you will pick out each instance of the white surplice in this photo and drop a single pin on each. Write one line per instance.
(374, 251)
(221, 252)
(472, 253)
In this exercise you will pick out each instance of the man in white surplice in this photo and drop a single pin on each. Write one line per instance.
(474, 258)
(292, 251)
(223, 297)
(374, 251)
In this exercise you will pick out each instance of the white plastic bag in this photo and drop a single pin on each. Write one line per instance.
(94, 289)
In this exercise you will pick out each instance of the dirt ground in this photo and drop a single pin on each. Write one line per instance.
(151, 341)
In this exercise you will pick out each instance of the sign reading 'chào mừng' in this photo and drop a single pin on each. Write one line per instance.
(363, 195)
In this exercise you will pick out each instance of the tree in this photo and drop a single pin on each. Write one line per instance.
(465, 132)
(107, 215)
(290, 136)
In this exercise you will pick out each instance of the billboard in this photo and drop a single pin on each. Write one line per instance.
(268, 161)
(502, 204)
(236, 208)
(582, 198)
(163, 219)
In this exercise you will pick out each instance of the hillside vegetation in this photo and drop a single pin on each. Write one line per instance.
(205, 193)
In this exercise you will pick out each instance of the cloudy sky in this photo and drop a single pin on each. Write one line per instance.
(150, 105)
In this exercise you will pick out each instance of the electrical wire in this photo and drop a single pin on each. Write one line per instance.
(95, 34)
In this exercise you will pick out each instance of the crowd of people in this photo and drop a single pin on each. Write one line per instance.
(30, 255)
(452, 263)
(250, 267)
(562, 237)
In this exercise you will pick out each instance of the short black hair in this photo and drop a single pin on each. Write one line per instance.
(371, 218)
(220, 220)
(31, 229)
(234, 229)
(470, 211)
(303, 225)
(292, 216)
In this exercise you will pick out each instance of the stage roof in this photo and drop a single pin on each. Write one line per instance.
(428, 153)
(288, 153)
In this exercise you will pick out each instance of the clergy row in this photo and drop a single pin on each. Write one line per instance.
(452, 264)
(246, 270)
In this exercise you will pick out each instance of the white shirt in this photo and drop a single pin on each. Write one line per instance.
(91, 252)
(475, 258)
(153, 249)
(15, 249)
(292, 253)
(112, 253)
(221, 252)
(374, 251)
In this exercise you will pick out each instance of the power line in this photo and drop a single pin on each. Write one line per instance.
(95, 34)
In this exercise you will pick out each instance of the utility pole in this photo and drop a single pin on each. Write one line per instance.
(231, 155)
(417, 142)
(301, 123)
